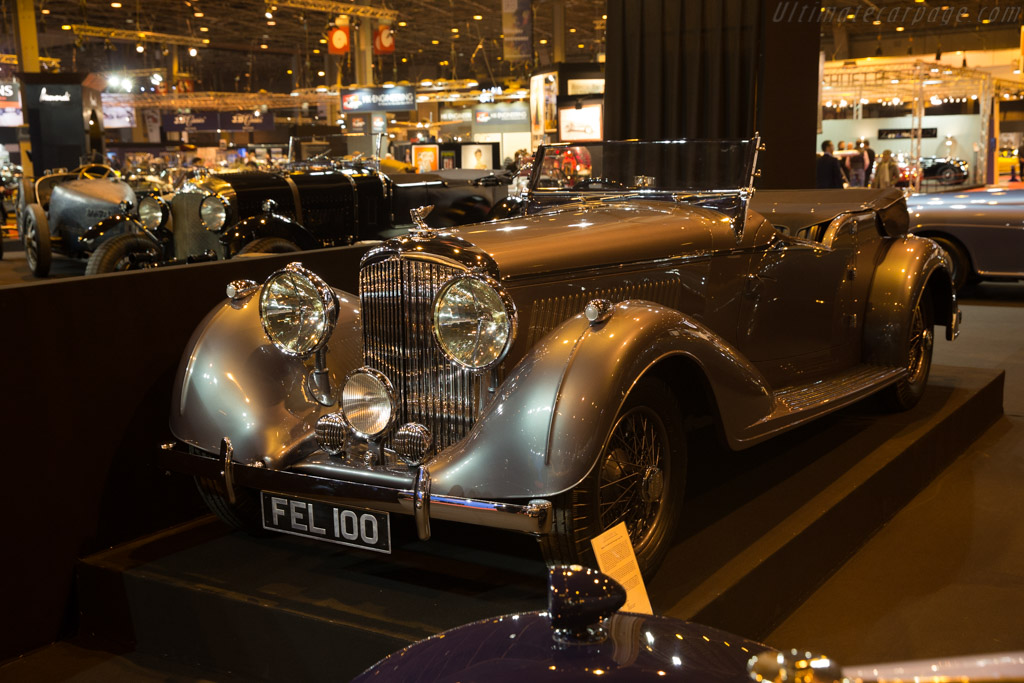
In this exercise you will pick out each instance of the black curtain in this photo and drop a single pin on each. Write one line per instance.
(682, 68)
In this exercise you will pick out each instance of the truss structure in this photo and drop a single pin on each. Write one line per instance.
(86, 31)
(12, 60)
(336, 8)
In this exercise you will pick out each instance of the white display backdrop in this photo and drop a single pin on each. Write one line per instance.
(965, 129)
(510, 142)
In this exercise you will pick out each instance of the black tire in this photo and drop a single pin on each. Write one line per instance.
(268, 245)
(905, 394)
(963, 272)
(654, 497)
(244, 514)
(114, 255)
(38, 251)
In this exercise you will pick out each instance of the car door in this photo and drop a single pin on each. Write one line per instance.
(792, 320)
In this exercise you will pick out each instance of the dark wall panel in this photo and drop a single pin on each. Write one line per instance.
(710, 69)
(84, 396)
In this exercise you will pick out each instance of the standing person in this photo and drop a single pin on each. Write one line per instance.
(887, 172)
(829, 173)
(1020, 160)
(871, 163)
(842, 146)
(856, 165)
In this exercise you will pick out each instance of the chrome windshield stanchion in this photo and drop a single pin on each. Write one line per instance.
(227, 454)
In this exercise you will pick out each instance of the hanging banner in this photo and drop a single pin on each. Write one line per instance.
(197, 120)
(217, 121)
(517, 27)
(383, 40)
(246, 121)
(115, 116)
(10, 97)
(338, 40)
(399, 98)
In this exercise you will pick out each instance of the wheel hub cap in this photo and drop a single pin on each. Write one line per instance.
(653, 485)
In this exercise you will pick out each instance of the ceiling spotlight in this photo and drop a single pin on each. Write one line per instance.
(321, 74)
(45, 11)
(115, 5)
(127, 84)
(543, 41)
(156, 79)
(192, 52)
(271, 23)
(203, 29)
(455, 30)
(263, 46)
(478, 17)
(269, 15)
(403, 23)
(140, 48)
(114, 81)
(198, 15)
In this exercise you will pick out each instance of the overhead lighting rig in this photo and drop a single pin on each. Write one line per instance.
(335, 8)
(12, 60)
(139, 37)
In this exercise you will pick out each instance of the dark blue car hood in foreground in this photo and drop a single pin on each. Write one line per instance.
(522, 647)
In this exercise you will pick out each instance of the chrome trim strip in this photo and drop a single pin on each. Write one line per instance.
(421, 504)
(295, 197)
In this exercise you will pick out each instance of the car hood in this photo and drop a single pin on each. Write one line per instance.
(594, 234)
(521, 647)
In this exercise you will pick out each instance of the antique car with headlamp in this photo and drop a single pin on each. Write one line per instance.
(311, 205)
(544, 374)
(58, 211)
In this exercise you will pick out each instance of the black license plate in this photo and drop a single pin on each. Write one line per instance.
(367, 529)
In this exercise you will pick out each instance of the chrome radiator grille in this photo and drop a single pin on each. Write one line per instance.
(396, 296)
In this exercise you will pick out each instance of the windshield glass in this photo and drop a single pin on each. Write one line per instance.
(630, 166)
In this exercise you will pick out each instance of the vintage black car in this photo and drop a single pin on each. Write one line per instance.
(56, 211)
(544, 373)
(581, 637)
(310, 206)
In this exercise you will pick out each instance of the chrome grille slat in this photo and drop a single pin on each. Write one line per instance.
(396, 296)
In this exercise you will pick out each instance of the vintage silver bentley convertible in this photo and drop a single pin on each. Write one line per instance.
(540, 373)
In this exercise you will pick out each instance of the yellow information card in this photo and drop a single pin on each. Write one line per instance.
(615, 558)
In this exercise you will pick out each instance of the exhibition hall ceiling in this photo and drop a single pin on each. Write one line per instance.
(261, 45)
(254, 44)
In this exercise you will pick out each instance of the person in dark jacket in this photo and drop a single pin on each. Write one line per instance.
(829, 173)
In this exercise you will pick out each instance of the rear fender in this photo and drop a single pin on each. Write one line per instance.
(266, 225)
(233, 382)
(911, 265)
(543, 430)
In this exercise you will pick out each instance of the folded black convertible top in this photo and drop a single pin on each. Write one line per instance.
(796, 209)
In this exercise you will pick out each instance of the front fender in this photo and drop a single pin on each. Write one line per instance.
(544, 429)
(266, 225)
(910, 264)
(233, 382)
(117, 224)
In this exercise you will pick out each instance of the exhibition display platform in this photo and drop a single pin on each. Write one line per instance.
(762, 529)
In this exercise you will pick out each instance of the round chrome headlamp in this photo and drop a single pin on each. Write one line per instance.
(368, 402)
(153, 212)
(213, 212)
(298, 310)
(474, 321)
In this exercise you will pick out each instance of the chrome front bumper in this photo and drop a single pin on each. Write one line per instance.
(417, 500)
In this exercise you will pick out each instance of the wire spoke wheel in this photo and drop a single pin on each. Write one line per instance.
(631, 478)
(906, 392)
(638, 478)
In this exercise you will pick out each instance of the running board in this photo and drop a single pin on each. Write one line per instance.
(794, 405)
